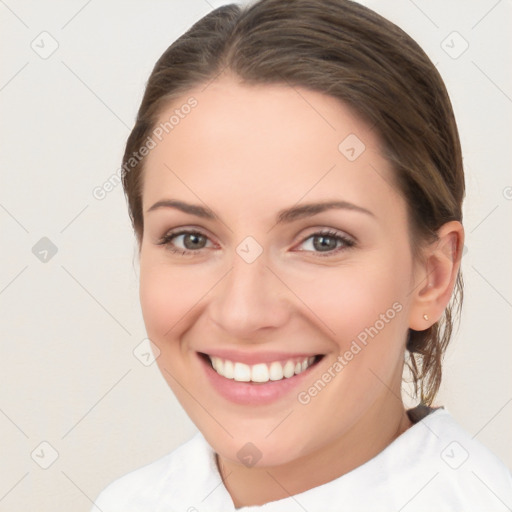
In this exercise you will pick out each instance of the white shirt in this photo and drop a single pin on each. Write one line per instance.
(433, 466)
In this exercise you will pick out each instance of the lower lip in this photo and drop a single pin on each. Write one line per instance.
(253, 393)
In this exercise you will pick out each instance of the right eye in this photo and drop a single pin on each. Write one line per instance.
(191, 242)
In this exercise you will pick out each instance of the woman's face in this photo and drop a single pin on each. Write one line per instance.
(275, 242)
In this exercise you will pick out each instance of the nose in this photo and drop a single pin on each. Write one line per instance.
(250, 300)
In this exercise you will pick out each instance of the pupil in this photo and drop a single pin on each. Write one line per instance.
(325, 243)
(194, 239)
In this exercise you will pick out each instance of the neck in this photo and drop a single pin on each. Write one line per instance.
(369, 436)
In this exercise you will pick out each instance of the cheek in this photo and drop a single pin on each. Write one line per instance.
(156, 302)
(167, 296)
(363, 310)
(364, 314)
(172, 299)
(348, 300)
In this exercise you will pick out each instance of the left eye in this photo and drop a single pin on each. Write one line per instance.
(327, 242)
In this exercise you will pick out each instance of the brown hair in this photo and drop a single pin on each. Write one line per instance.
(345, 50)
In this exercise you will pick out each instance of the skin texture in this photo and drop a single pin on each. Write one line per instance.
(246, 152)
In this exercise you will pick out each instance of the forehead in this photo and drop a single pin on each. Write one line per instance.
(271, 141)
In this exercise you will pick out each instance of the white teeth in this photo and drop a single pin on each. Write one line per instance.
(260, 372)
(242, 372)
(289, 369)
(276, 371)
(228, 370)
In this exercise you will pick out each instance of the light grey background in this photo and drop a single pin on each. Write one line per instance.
(69, 325)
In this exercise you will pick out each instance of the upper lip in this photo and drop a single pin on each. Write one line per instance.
(257, 357)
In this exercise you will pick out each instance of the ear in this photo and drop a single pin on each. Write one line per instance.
(435, 276)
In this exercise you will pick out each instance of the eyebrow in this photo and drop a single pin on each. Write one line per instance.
(284, 216)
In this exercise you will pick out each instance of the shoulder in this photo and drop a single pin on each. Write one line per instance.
(147, 486)
(457, 469)
(434, 465)
(458, 447)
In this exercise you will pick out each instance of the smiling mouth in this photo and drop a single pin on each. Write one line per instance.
(261, 372)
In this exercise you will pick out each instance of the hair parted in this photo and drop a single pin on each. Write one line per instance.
(345, 50)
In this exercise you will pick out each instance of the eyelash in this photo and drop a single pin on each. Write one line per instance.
(346, 241)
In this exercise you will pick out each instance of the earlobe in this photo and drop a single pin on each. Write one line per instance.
(436, 276)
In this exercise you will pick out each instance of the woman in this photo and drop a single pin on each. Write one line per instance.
(295, 183)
